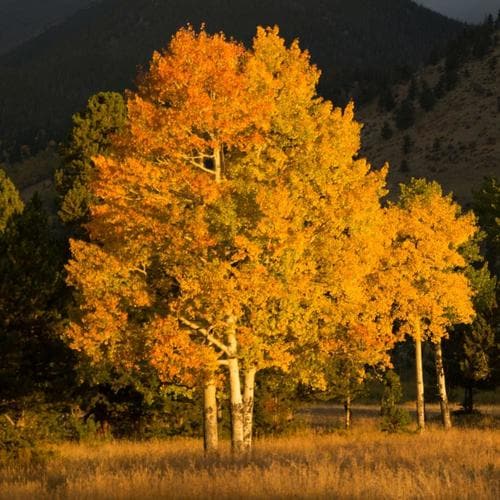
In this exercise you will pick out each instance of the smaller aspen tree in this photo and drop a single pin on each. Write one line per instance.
(430, 291)
(358, 334)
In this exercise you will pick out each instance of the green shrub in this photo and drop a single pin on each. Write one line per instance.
(17, 444)
(394, 418)
(275, 403)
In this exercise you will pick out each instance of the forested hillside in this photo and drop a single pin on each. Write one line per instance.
(444, 123)
(48, 79)
(21, 20)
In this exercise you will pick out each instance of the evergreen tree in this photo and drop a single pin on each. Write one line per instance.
(35, 361)
(456, 54)
(426, 97)
(433, 57)
(346, 376)
(407, 145)
(483, 40)
(405, 115)
(450, 79)
(413, 89)
(10, 201)
(104, 115)
(486, 205)
(440, 89)
(394, 417)
(471, 352)
(386, 131)
(386, 100)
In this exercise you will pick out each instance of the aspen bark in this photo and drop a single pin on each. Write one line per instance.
(217, 165)
(210, 434)
(348, 412)
(441, 381)
(237, 439)
(248, 403)
(420, 382)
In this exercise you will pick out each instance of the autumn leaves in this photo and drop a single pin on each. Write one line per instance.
(235, 229)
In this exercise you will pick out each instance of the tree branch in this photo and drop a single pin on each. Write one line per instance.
(11, 422)
(199, 164)
(206, 334)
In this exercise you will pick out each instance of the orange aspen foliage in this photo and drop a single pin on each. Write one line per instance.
(195, 103)
(234, 225)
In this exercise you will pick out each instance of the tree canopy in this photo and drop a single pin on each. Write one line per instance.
(233, 225)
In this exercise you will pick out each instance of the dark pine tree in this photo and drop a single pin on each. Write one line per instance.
(36, 364)
(405, 115)
(91, 135)
(426, 97)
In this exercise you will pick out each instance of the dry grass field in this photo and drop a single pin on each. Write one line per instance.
(363, 463)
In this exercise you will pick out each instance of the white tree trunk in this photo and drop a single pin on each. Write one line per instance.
(217, 164)
(248, 403)
(420, 382)
(347, 412)
(210, 434)
(441, 381)
(237, 439)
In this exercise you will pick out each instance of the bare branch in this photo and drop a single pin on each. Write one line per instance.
(140, 270)
(206, 334)
(11, 422)
(202, 167)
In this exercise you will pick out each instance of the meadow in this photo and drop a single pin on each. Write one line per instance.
(312, 463)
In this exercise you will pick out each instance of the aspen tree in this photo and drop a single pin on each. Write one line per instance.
(229, 229)
(431, 291)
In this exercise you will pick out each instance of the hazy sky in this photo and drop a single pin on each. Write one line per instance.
(467, 10)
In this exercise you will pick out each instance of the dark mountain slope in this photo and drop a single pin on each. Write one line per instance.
(457, 142)
(43, 82)
(21, 20)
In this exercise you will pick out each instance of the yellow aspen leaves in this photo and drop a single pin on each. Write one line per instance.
(234, 220)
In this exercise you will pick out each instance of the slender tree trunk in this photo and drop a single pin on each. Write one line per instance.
(237, 434)
(217, 164)
(420, 382)
(468, 399)
(236, 398)
(248, 402)
(443, 397)
(211, 436)
(347, 413)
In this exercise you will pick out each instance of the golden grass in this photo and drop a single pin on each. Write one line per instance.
(361, 464)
